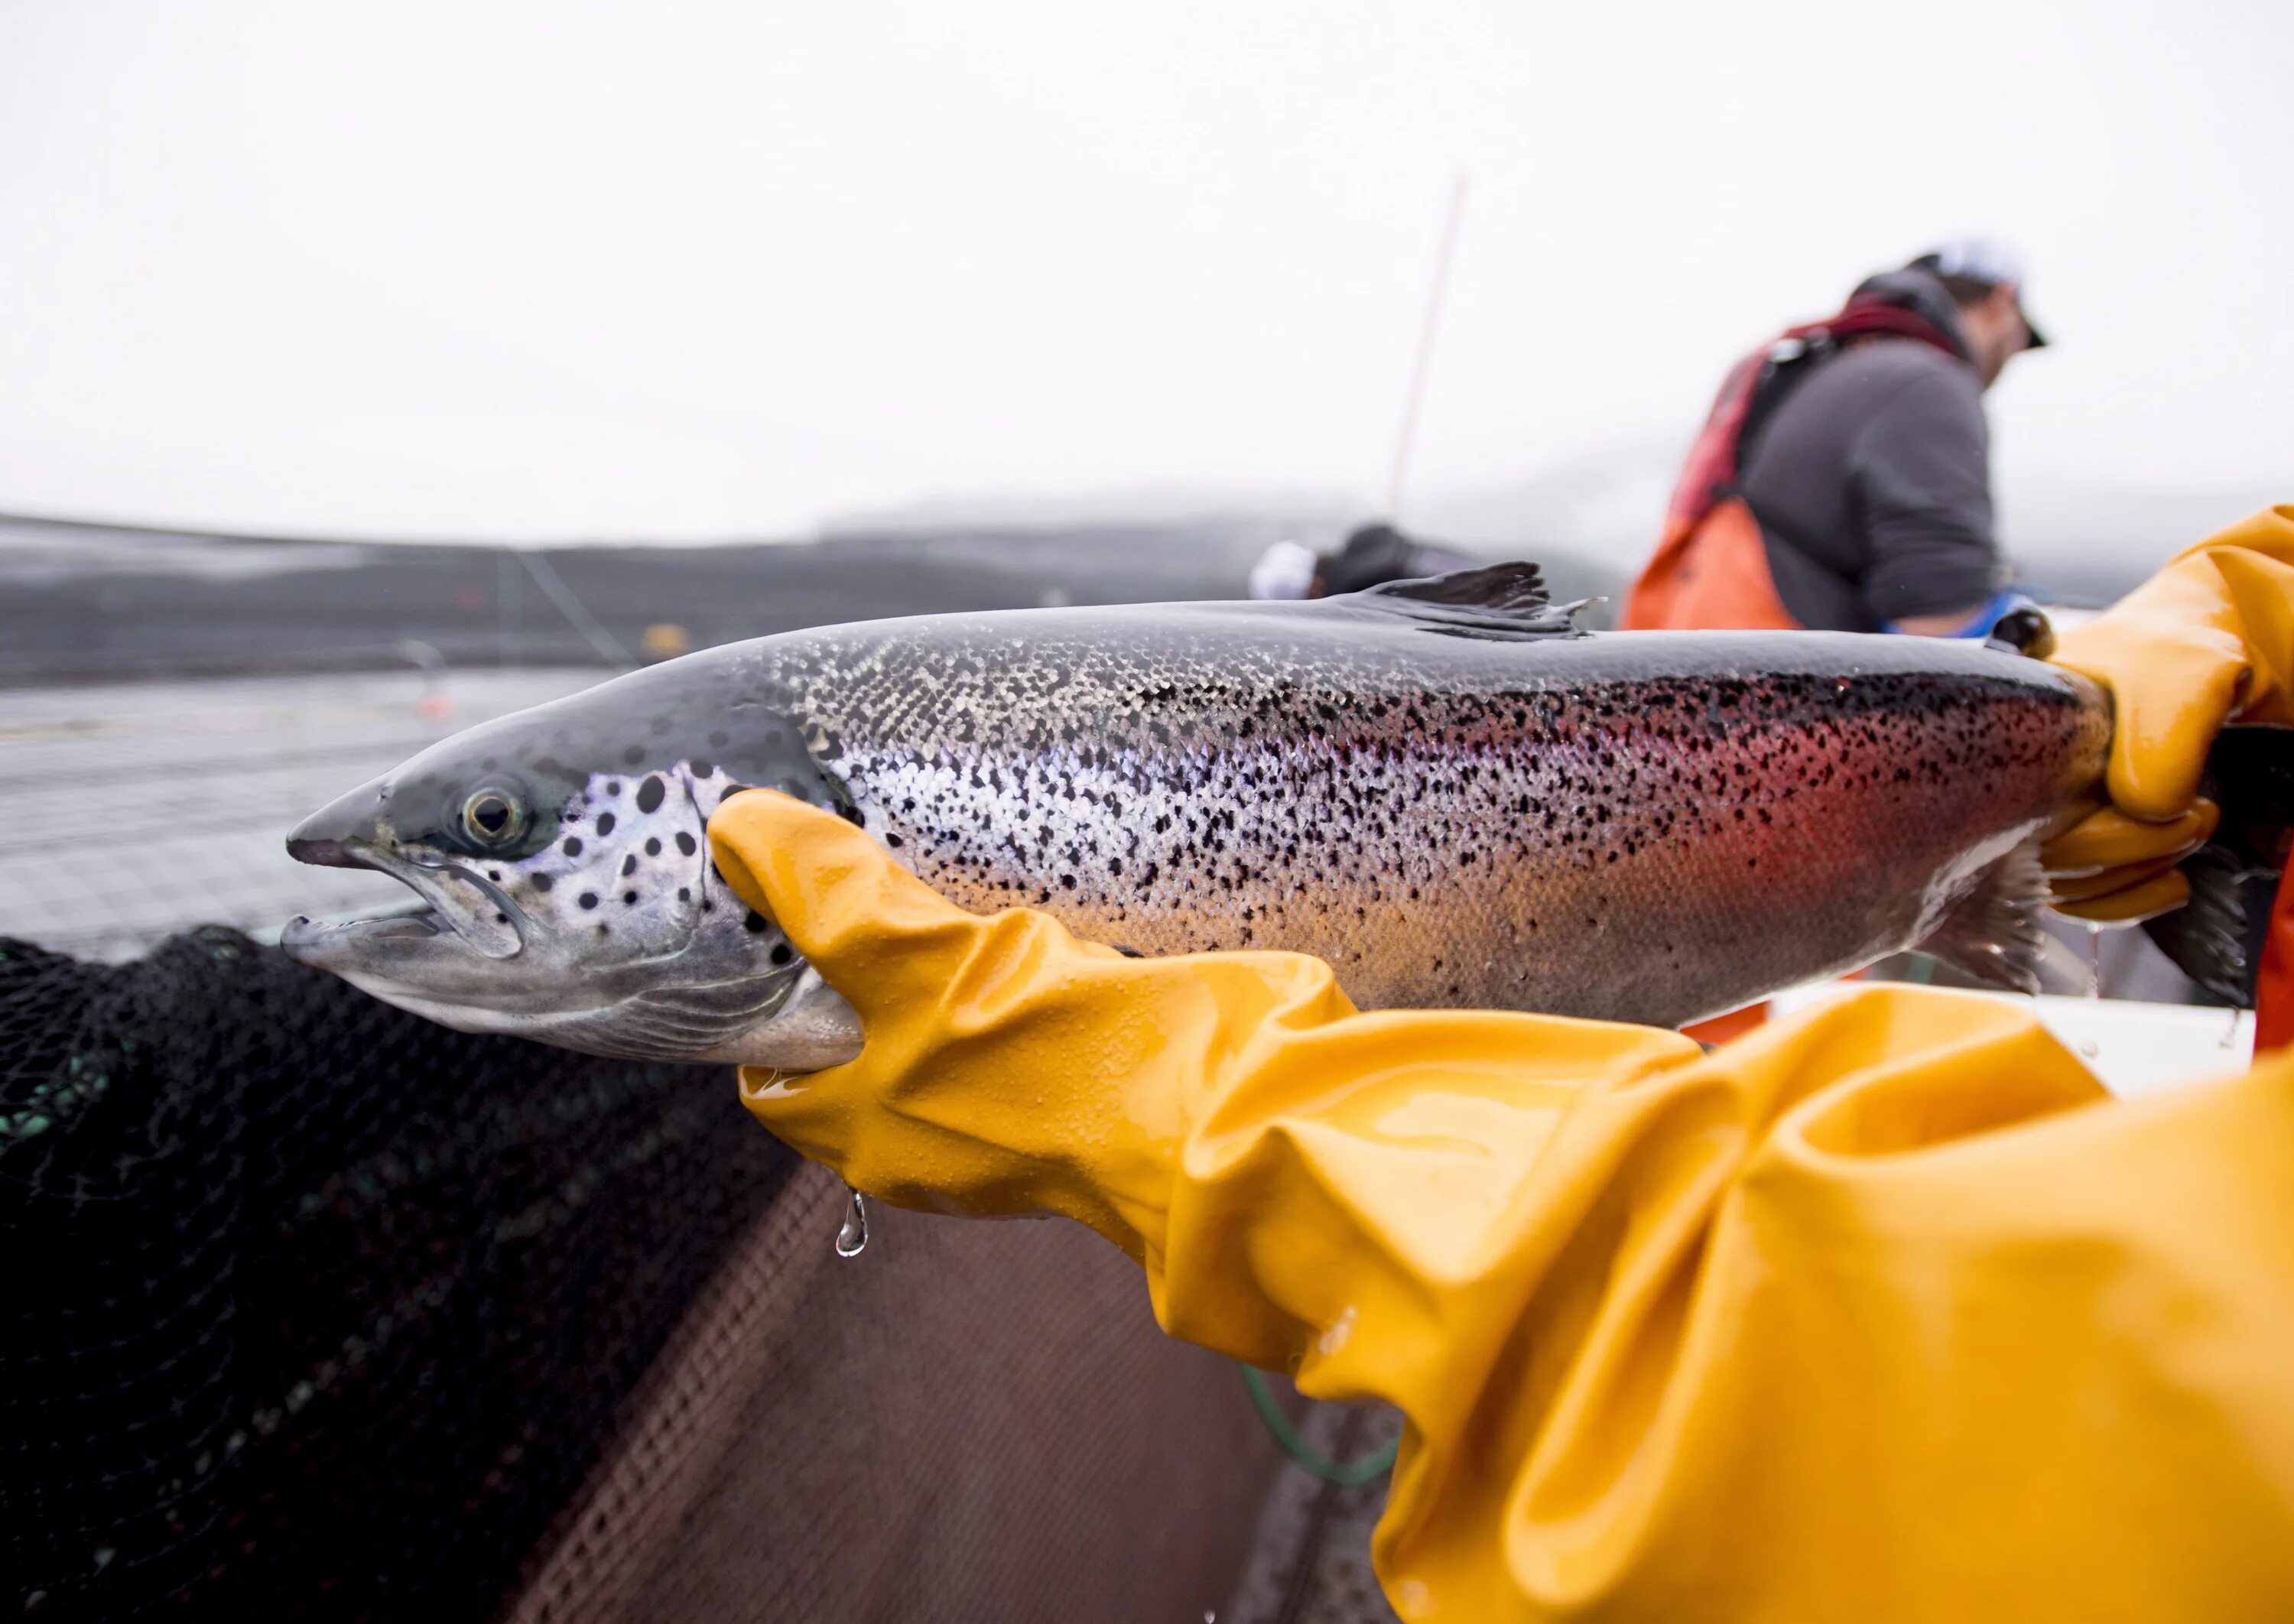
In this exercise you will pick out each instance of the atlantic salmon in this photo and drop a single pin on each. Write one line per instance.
(1445, 788)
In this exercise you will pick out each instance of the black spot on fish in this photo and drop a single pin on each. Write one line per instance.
(495, 874)
(589, 899)
(854, 816)
(653, 845)
(894, 842)
(613, 788)
(731, 790)
(542, 882)
(628, 865)
(634, 754)
(754, 923)
(605, 824)
(649, 794)
(501, 919)
(703, 769)
(629, 899)
(684, 843)
(573, 847)
(782, 953)
(685, 893)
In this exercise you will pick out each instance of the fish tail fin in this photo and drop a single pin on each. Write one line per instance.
(1993, 933)
(2218, 938)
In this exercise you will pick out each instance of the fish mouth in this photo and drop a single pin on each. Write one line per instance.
(414, 924)
(461, 904)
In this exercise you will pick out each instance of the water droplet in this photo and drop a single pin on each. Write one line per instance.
(852, 1239)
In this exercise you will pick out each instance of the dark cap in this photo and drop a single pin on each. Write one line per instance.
(1987, 263)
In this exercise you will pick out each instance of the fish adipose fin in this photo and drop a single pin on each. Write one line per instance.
(1993, 933)
(1501, 601)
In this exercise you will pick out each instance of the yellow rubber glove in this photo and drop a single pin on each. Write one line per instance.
(1881, 1313)
(2207, 640)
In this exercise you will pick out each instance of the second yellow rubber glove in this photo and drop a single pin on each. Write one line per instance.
(2207, 640)
(1878, 1314)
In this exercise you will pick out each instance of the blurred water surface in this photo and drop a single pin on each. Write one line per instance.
(131, 810)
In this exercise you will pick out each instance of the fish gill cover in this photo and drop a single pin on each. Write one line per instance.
(316, 1310)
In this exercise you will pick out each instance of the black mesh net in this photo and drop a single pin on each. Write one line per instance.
(316, 1310)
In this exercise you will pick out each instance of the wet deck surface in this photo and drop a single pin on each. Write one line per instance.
(131, 811)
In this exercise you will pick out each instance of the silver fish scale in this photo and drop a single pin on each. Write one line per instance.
(1571, 826)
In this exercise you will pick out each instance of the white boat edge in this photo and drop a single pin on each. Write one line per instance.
(2134, 1049)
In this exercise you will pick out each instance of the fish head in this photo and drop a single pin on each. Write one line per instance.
(560, 858)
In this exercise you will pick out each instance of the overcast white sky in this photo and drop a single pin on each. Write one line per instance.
(568, 270)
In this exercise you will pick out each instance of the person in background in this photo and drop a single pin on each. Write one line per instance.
(1370, 556)
(1843, 479)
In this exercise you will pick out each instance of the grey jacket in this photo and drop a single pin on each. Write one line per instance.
(1872, 480)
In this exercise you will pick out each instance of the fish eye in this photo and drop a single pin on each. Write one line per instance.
(493, 818)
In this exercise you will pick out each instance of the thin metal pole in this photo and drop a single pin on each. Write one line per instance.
(1427, 331)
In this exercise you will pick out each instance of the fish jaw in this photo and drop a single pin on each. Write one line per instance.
(417, 962)
(462, 904)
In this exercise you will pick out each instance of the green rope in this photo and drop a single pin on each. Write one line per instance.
(1347, 1473)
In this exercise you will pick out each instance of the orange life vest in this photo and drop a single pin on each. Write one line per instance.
(1710, 574)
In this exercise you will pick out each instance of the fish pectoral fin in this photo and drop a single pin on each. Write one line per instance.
(812, 1030)
(1501, 601)
(1993, 932)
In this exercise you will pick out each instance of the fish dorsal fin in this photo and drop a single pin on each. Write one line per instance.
(1498, 600)
(1497, 586)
